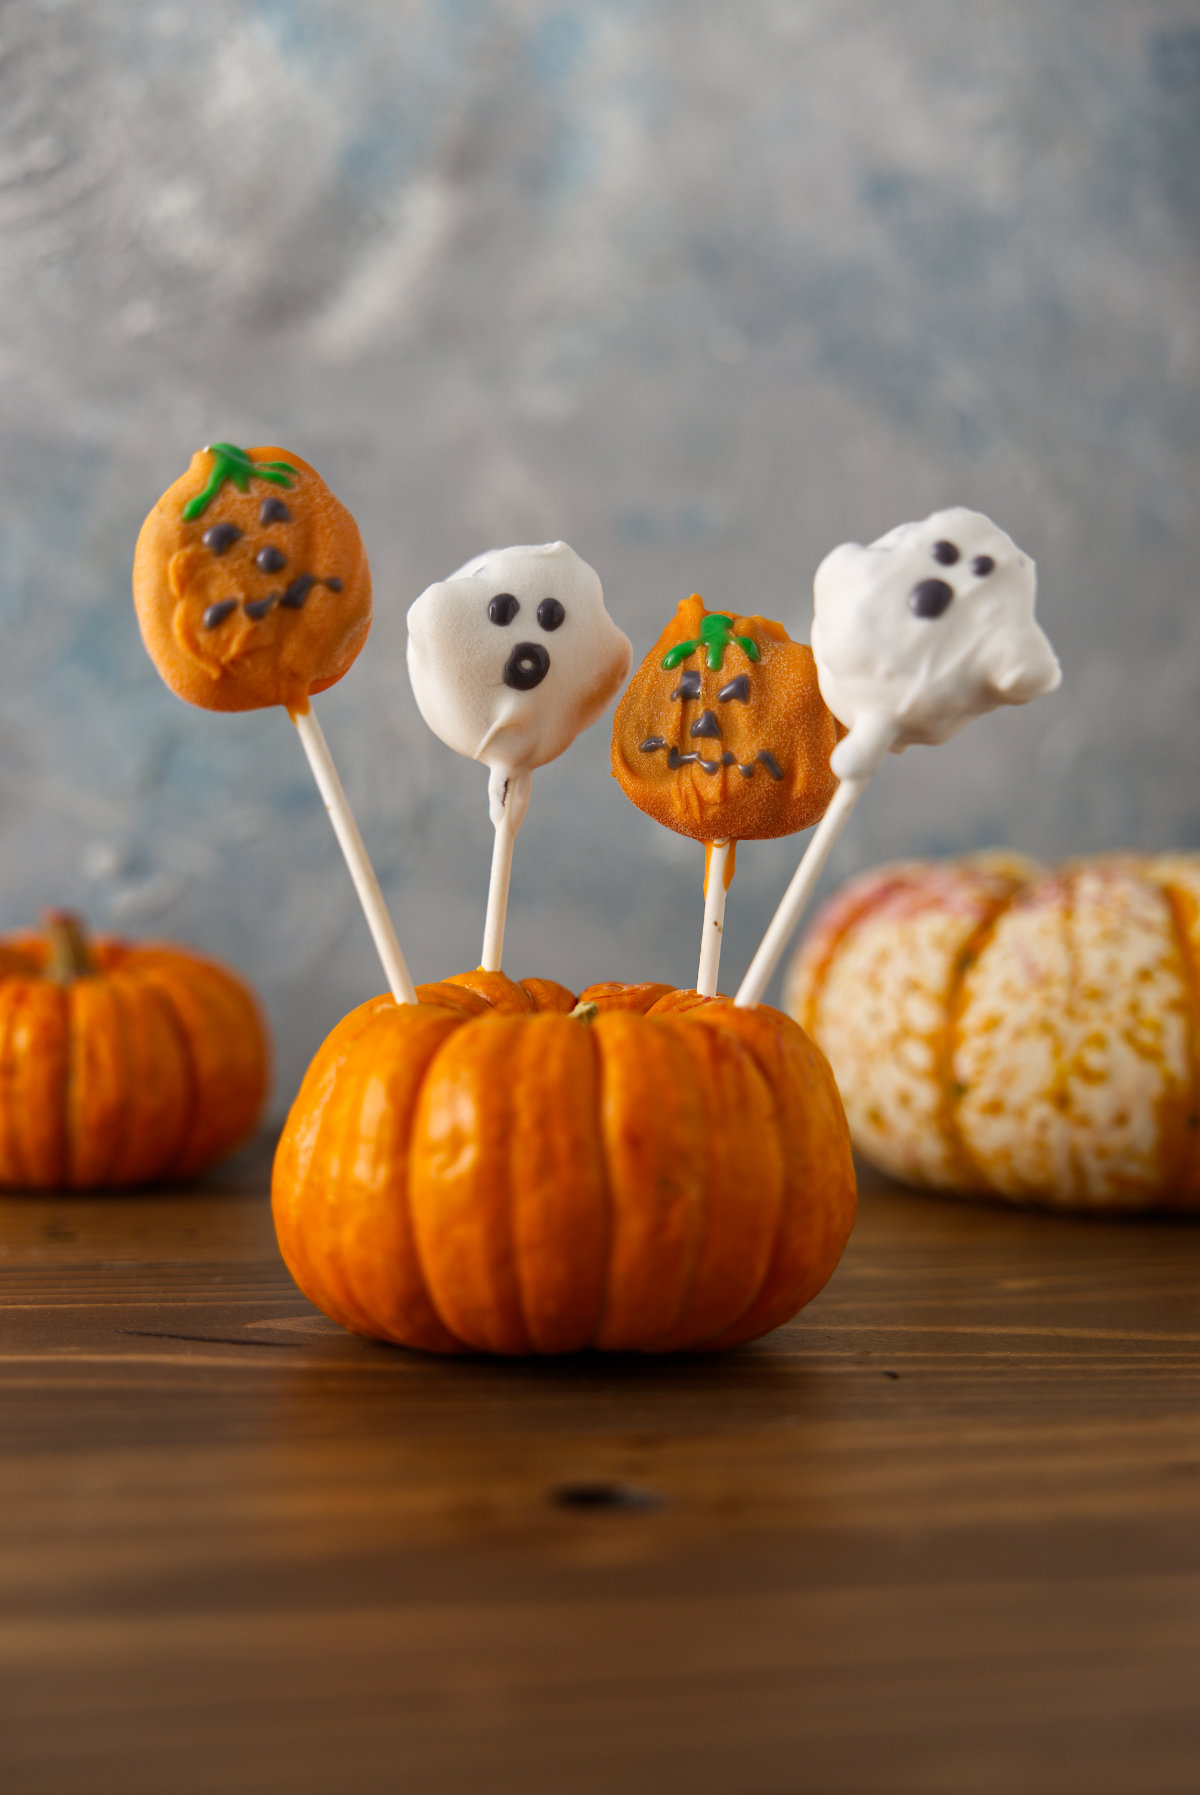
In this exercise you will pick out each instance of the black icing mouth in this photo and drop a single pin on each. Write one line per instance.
(292, 598)
(675, 759)
(526, 667)
(929, 598)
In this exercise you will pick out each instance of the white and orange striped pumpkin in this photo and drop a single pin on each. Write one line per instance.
(997, 1026)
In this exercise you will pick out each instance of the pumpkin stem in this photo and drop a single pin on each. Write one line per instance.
(70, 951)
(585, 1012)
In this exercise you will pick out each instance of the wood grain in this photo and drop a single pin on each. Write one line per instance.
(939, 1534)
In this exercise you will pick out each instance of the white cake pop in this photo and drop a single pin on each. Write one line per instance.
(913, 636)
(510, 658)
(514, 655)
(921, 631)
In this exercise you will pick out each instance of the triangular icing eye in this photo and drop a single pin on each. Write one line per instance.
(219, 537)
(737, 688)
(689, 685)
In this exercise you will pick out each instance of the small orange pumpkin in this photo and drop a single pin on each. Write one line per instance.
(722, 733)
(120, 1064)
(486, 1171)
(1003, 1027)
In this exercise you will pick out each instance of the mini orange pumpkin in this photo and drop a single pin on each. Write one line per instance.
(120, 1064)
(483, 1171)
(722, 733)
(999, 1026)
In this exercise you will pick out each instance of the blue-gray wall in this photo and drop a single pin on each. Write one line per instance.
(703, 288)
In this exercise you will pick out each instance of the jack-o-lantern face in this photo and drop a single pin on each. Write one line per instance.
(251, 582)
(722, 733)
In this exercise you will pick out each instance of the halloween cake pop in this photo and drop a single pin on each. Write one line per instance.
(251, 583)
(914, 635)
(723, 735)
(924, 629)
(510, 658)
(252, 589)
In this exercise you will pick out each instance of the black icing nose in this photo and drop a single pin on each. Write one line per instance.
(526, 667)
(929, 598)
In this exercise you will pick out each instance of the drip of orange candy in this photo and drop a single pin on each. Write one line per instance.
(485, 1165)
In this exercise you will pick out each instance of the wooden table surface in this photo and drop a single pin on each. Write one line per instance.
(942, 1533)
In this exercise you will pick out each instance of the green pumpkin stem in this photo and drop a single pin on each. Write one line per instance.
(585, 1012)
(716, 633)
(70, 950)
(233, 464)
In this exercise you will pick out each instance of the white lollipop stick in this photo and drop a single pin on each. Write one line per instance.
(714, 921)
(795, 899)
(509, 659)
(913, 636)
(312, 737)
(515, 804)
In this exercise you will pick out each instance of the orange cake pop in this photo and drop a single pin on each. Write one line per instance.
(722, 733)
(251, 582)
(252, 589)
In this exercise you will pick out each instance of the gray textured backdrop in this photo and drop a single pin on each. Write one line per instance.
(701, 288)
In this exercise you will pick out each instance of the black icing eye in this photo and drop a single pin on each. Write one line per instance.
(219, 537)
(688, 687)
(945, 553)
(737, 688)
(274, 511)
(982, 565)
(503, 608)
(270, 560)
(550, 613)
(929, 598)
(527, 665)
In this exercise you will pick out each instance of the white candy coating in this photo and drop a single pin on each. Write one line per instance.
(895, 677)
(458, 657)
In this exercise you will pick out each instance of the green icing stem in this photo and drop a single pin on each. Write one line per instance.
(232, 463)
(716, 633)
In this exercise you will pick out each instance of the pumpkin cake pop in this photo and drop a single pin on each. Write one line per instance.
(723, 735)
(251, 582)
(252, 590)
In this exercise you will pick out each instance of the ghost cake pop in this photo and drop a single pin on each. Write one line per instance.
(252, 589)
(723, 735)
(914, 635)
(921, 631)
(510, 658)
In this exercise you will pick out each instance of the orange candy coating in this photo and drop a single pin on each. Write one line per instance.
(774, 723)
(211, 616)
